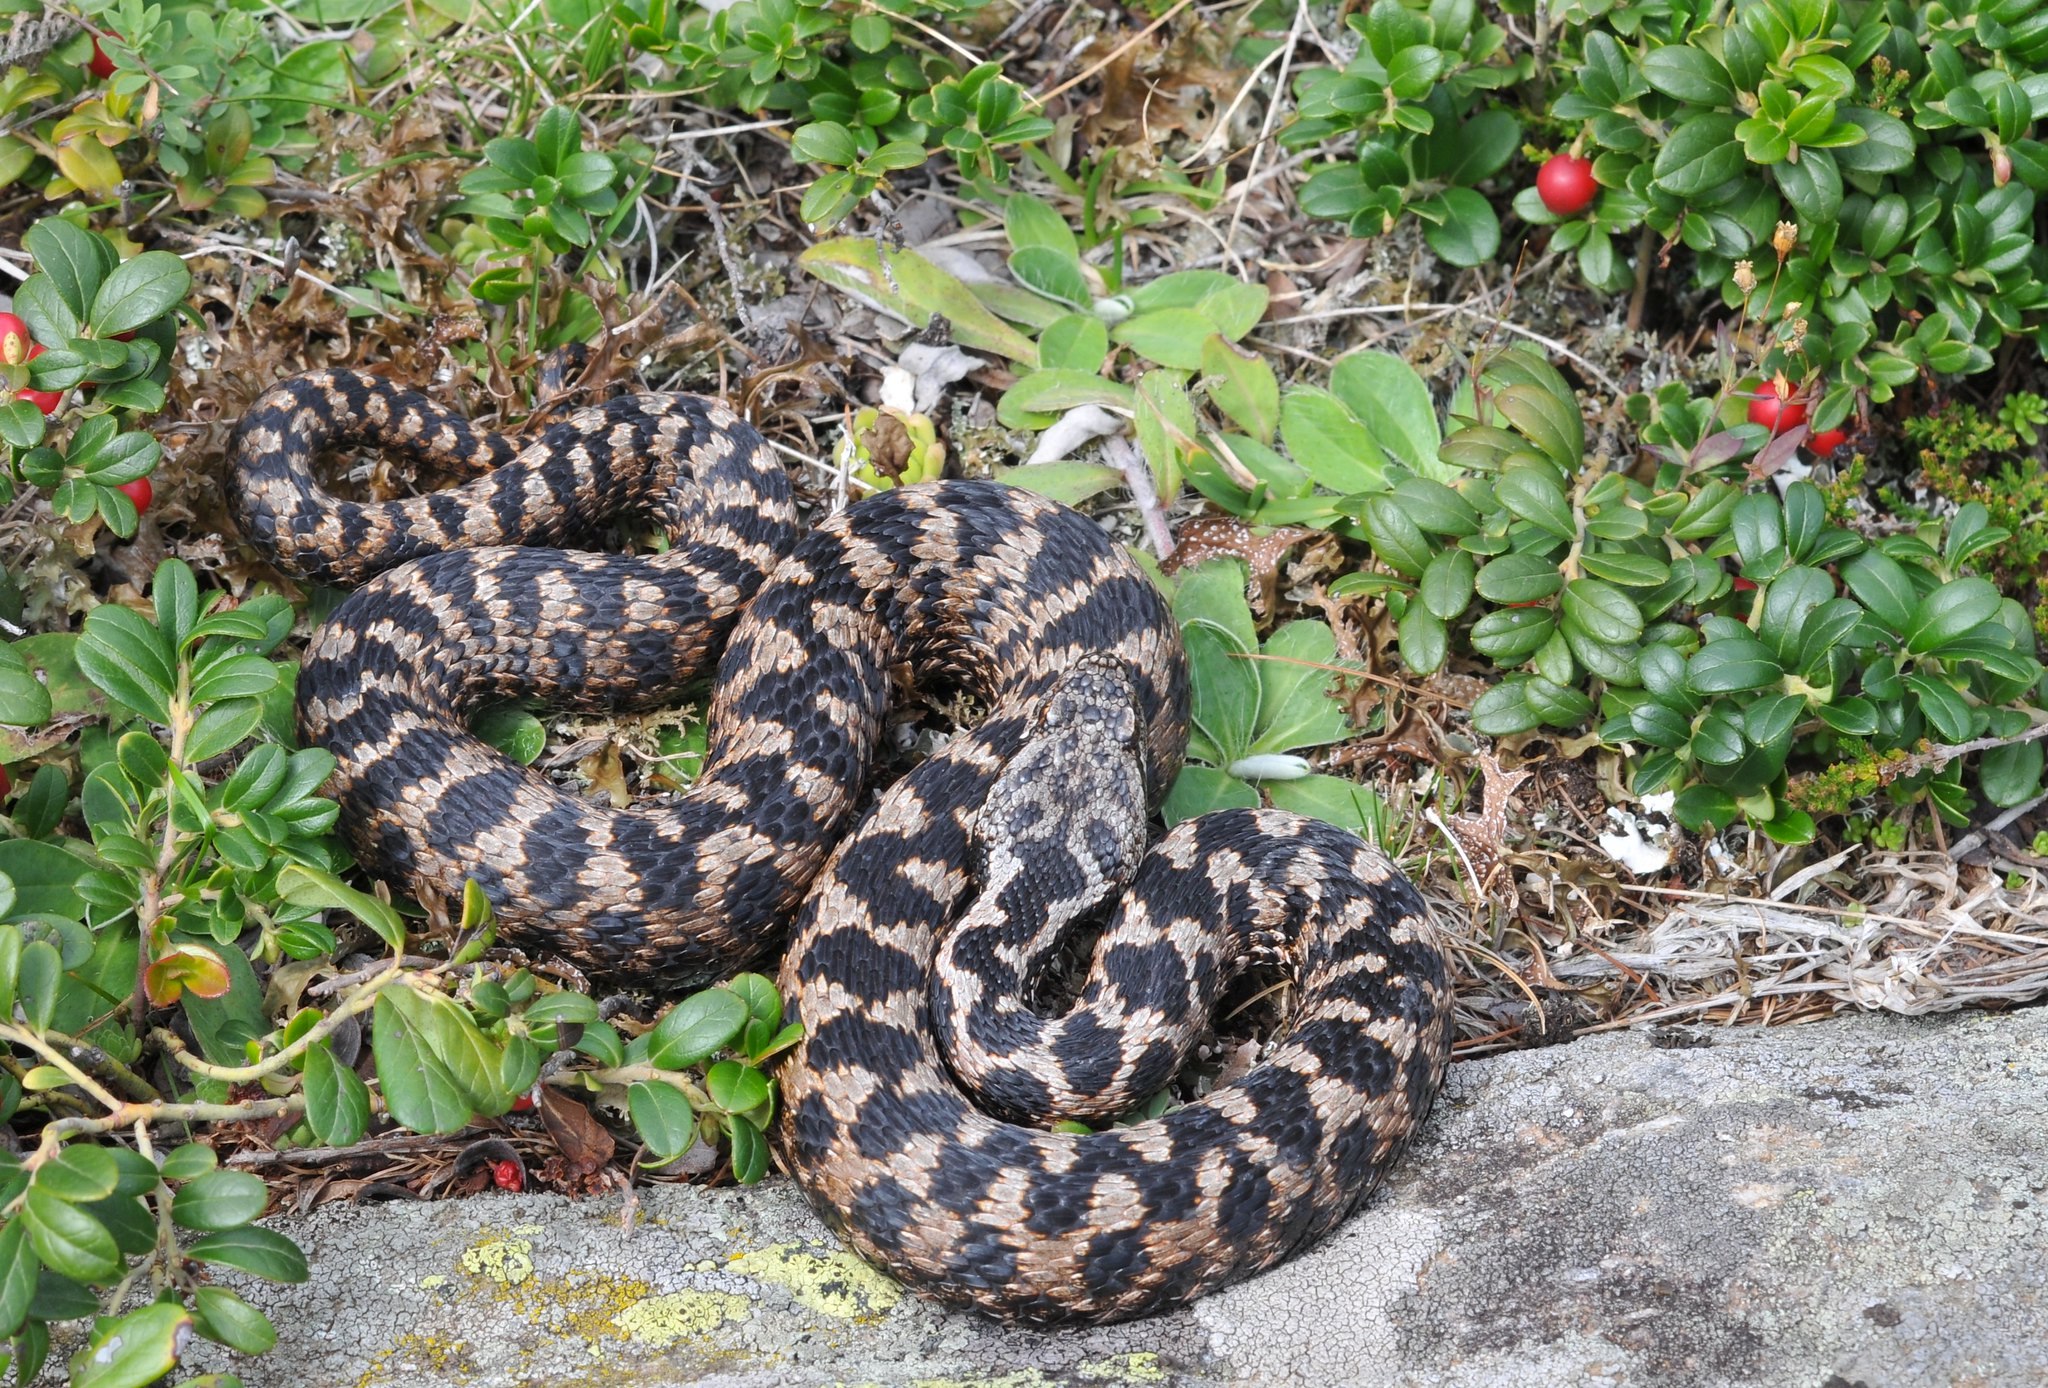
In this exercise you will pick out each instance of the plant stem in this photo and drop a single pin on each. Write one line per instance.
(360, 1001)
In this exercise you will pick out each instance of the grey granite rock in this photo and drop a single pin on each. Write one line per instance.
(1859, 1202)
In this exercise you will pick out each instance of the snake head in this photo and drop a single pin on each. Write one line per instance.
(1093, 699)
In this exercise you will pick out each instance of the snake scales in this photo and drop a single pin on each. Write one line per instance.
(1017, 602)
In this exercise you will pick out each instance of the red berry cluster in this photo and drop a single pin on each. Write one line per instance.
(18, 348)
(1778, 409)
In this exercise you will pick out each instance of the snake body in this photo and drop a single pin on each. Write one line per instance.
(1019, 603)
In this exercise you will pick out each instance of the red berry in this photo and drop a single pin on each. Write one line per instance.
(16, 346)
(5, 783)
(101, 65)
(1824, 444)
(1565, 183)
(1744, 585)
(1775, 411)
(44, 400)
(523, 1104)
(505, 1174)
(139, 491)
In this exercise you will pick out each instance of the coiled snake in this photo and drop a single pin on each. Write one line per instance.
(1017, 602)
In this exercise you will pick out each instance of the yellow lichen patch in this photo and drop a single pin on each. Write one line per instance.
(663, 1320)
(580, 1305)
(838, 1285)
(508, 1262)
(411, 1354)
(1140, 1367)
(431, 1281)
(1019, 1378)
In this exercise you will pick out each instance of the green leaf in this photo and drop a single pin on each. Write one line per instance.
(1691, 74)
(1033, 223)
(757, 991)
(1628, 569)
(134, 1350)
(1942, 706)
(79, 1173)
(1199, 790)
(337, 1100)
(1549, 418)
(1700, 155)
(18, 1269)
(1532, 494)
(231, 1321)
(1231, 306)
(1054, 389)
(191, 1160)
(138, 291)
(1241, 384)
(1170, 336)
(697, 1028)
(69, 1241)
(1212, 593)
(556, 138)
(1881, 584)
(1511, 636)
(663, 1118)
(1077, 342)
(1950, 612)
(1705, 808)
(513, 731)
(1460, 226)
(1346, 804)
(1518, 578)
(1327, 440)
(45, 878)
(1602, 611)
(1054, 275)
(420, 1091)
(1225, 700)
(1732, 665)
(129, 660)
(72, 260)
(912, 288)
(1447, 584)
(1387, 396)
(749, 1152)
(1424, 640)
(1503, 710)
(222, 726)
(1165, 425)
(219, 1200)
(22, 425)
(1395, 536)
(304, 886)
(254, 1250)
(39, 985)
(2009, 776)
(735, 1087)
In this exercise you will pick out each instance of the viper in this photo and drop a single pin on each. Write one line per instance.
(917, 1112)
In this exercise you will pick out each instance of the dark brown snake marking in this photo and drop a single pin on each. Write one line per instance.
(1016, 601)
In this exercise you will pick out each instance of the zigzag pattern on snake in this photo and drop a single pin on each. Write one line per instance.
(1020, 603)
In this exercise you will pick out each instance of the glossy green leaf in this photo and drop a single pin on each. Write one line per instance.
(252, 1249)
(697, 1028)
(337, 1101)
(664, 1119)
(224, 1317)
(134, 1350)
(69, 1241)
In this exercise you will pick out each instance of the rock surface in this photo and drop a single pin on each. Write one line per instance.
(1859, 1202)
